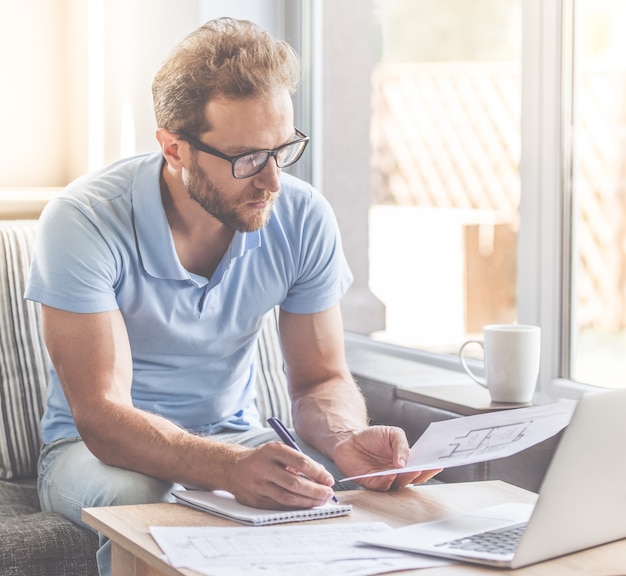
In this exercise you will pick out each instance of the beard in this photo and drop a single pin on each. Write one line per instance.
(237, 213)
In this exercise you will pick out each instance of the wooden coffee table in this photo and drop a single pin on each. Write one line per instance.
(135, 553)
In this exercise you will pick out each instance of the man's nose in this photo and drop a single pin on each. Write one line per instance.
(269, 177)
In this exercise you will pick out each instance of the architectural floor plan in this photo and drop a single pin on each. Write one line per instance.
(482, 437)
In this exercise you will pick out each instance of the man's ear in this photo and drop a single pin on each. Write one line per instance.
(172, 148)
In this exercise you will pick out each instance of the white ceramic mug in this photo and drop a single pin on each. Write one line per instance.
(512, 353)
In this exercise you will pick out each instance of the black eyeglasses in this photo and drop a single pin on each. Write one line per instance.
(251, 163)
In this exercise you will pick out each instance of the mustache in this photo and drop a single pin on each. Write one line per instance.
(263, 196)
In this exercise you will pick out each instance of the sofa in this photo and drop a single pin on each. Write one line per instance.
(33, 542)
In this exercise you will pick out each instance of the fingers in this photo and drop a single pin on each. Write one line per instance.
(412, 478)
(299, 464)
(389, 482)
(294, 479)
(377, 483)
(401, 451)
(428, 474)
(400, 447)
(402, 480)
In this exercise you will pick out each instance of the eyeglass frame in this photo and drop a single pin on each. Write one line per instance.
(202, 147)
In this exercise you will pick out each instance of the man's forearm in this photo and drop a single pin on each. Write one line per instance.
(152, 445)
(329, 413)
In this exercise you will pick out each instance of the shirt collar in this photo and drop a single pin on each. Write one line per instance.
(153, 235)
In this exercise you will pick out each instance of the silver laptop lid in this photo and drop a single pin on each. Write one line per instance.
(582, 500)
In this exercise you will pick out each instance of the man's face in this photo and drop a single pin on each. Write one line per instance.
(244, 211)
(240, 126)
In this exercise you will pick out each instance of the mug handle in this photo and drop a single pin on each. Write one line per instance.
(467, 369)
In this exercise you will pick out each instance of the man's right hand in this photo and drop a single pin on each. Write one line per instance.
(275, 476)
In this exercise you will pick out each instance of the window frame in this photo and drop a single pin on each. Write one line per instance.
(542, 238)
(546, 270)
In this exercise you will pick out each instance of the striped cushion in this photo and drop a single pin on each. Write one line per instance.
(23, 361)
(271, 381)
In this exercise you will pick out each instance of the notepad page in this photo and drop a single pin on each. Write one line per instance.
(224, 504)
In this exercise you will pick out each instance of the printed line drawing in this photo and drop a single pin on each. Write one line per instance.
(486, 440)
(483, 437)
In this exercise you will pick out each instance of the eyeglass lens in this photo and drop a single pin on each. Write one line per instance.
(251, 164)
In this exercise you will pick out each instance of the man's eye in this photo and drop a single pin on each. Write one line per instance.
(257, 159)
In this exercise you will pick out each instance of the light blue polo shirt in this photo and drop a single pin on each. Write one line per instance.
(106, 244)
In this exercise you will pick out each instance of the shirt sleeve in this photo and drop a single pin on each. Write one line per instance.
(323, 275)
(74, 268)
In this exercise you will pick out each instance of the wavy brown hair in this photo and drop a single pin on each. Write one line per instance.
(224, 57)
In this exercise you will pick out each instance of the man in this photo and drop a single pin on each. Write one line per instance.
(154, 276)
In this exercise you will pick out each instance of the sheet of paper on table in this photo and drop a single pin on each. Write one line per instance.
(307, 549)
(482, 437)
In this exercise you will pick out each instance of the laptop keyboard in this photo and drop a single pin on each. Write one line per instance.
(500, 542)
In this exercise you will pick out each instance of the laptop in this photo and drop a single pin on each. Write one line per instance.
(581, 503)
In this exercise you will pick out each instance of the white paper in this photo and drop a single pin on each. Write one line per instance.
(224, 504)
(471, 439)
(368, 567)
(328, 549)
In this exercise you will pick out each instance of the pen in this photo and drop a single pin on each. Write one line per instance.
(286, 437)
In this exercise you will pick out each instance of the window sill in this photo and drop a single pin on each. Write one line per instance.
(404, 366)
(25, 203)
(435, 380)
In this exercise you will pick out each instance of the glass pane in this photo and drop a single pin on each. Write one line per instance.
(600, 192)
(445, 159)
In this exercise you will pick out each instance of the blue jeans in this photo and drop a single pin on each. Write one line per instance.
(72, 478)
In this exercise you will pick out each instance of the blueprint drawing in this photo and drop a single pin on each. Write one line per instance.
(482, 437)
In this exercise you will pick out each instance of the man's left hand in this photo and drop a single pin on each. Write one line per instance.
(375, 449)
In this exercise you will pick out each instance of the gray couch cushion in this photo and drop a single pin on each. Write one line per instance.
(40, 543)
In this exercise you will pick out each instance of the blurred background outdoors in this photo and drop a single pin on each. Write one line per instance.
(446, 135)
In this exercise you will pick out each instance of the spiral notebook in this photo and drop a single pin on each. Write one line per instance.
(223, 504)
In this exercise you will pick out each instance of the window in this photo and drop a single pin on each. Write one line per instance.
(80, 75)
(33, 111)
(446, 102)
(599, 193)
(518, 77)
